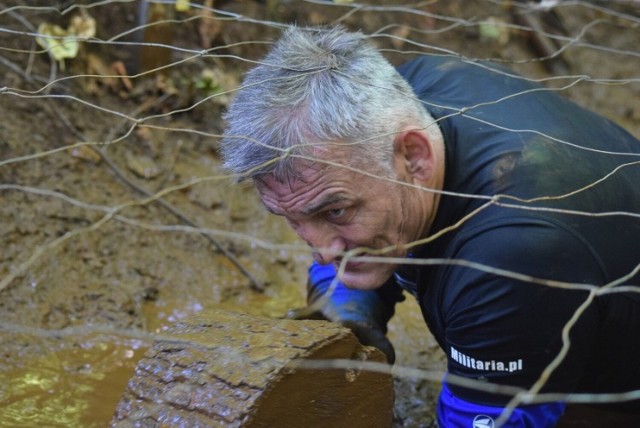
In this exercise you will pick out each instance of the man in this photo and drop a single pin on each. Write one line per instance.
(510, 213)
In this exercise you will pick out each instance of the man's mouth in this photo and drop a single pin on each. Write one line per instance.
(350, 263)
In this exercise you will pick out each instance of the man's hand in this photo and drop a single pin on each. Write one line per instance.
(364, 312)
(368, 335)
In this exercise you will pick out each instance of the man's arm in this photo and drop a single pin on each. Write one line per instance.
(365, 312)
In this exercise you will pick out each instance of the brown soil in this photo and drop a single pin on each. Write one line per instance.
(85, 287)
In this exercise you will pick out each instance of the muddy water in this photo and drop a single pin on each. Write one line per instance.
(76, 384)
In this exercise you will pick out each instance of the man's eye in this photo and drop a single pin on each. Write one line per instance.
(337, 213)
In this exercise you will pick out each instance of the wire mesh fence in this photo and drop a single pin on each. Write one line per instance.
(118, 220)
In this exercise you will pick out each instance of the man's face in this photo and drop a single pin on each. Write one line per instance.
(336, 209)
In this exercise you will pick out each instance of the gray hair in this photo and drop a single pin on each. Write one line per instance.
(318, 86)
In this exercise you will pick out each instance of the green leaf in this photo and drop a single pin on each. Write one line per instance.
(57, 41)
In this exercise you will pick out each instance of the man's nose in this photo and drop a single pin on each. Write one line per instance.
(327, 245)
(328, 253)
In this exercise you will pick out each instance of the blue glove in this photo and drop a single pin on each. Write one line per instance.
(365, 312)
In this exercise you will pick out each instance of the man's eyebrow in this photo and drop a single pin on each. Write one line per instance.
(266, 207)
(322, 204)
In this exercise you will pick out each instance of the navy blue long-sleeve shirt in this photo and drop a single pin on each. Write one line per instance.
(552, 170)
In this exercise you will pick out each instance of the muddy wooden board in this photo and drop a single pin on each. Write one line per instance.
(235, 370)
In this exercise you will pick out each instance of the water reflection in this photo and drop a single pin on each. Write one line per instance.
(77, 384)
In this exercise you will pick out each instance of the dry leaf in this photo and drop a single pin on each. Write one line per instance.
(57, 42)
(82, 26)
(62, 44)
(120, 69)
(85, 153)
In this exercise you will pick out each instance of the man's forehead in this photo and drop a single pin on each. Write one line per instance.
(301, 177)
(299, 171)
(314, 185)
(322, 164)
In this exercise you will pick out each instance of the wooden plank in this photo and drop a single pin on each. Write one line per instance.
(235, 370)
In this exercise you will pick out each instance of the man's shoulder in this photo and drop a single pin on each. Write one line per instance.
(425, 70)
(449, 64)
(509, 247)
(449, 84)
(455, 68)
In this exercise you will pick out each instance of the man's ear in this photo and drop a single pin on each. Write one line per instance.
(414, 152)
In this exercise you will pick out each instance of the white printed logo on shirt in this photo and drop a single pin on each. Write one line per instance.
(482, 421)
(486, 365)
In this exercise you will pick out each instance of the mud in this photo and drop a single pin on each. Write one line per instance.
(83, 294)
